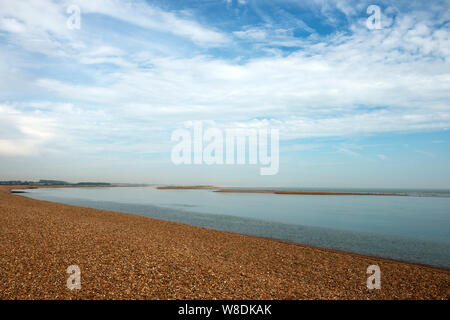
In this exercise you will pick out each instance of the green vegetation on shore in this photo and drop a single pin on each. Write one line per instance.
(52, 183)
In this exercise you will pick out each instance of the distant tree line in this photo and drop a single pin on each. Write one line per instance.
(16, 182)
(92, 183)
(51, 183)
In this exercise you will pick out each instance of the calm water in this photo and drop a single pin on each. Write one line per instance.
(414, 228)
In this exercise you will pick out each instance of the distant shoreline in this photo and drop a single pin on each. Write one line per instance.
(320, 193)
(274, 191)
(186, 187)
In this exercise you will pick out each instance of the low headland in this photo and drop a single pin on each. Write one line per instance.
(274, 191)
(318, 193)
(126, 256)
(186, 187)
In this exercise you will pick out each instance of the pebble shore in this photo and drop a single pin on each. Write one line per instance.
(125, 256)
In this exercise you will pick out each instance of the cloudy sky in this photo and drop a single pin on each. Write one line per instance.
(355, 106)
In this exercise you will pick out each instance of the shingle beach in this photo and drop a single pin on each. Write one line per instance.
(125, 256)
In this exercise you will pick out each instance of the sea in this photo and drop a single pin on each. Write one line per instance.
(413, 228)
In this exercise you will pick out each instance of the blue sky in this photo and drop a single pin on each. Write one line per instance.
(355, 107)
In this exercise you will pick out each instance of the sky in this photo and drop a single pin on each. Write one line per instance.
(355, 106)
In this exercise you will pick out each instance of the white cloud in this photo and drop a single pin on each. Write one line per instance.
(314, 93)
(41, 26)
(425, 153)
(12, 25)
(22, 134)
(395, 79)
(251, 33)
(146, 16)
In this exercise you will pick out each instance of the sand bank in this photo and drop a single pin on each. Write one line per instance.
(187, 187)
(310, 192)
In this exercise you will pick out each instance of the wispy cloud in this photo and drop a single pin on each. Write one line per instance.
(425, 153)
(150, 17)
(23, 134)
